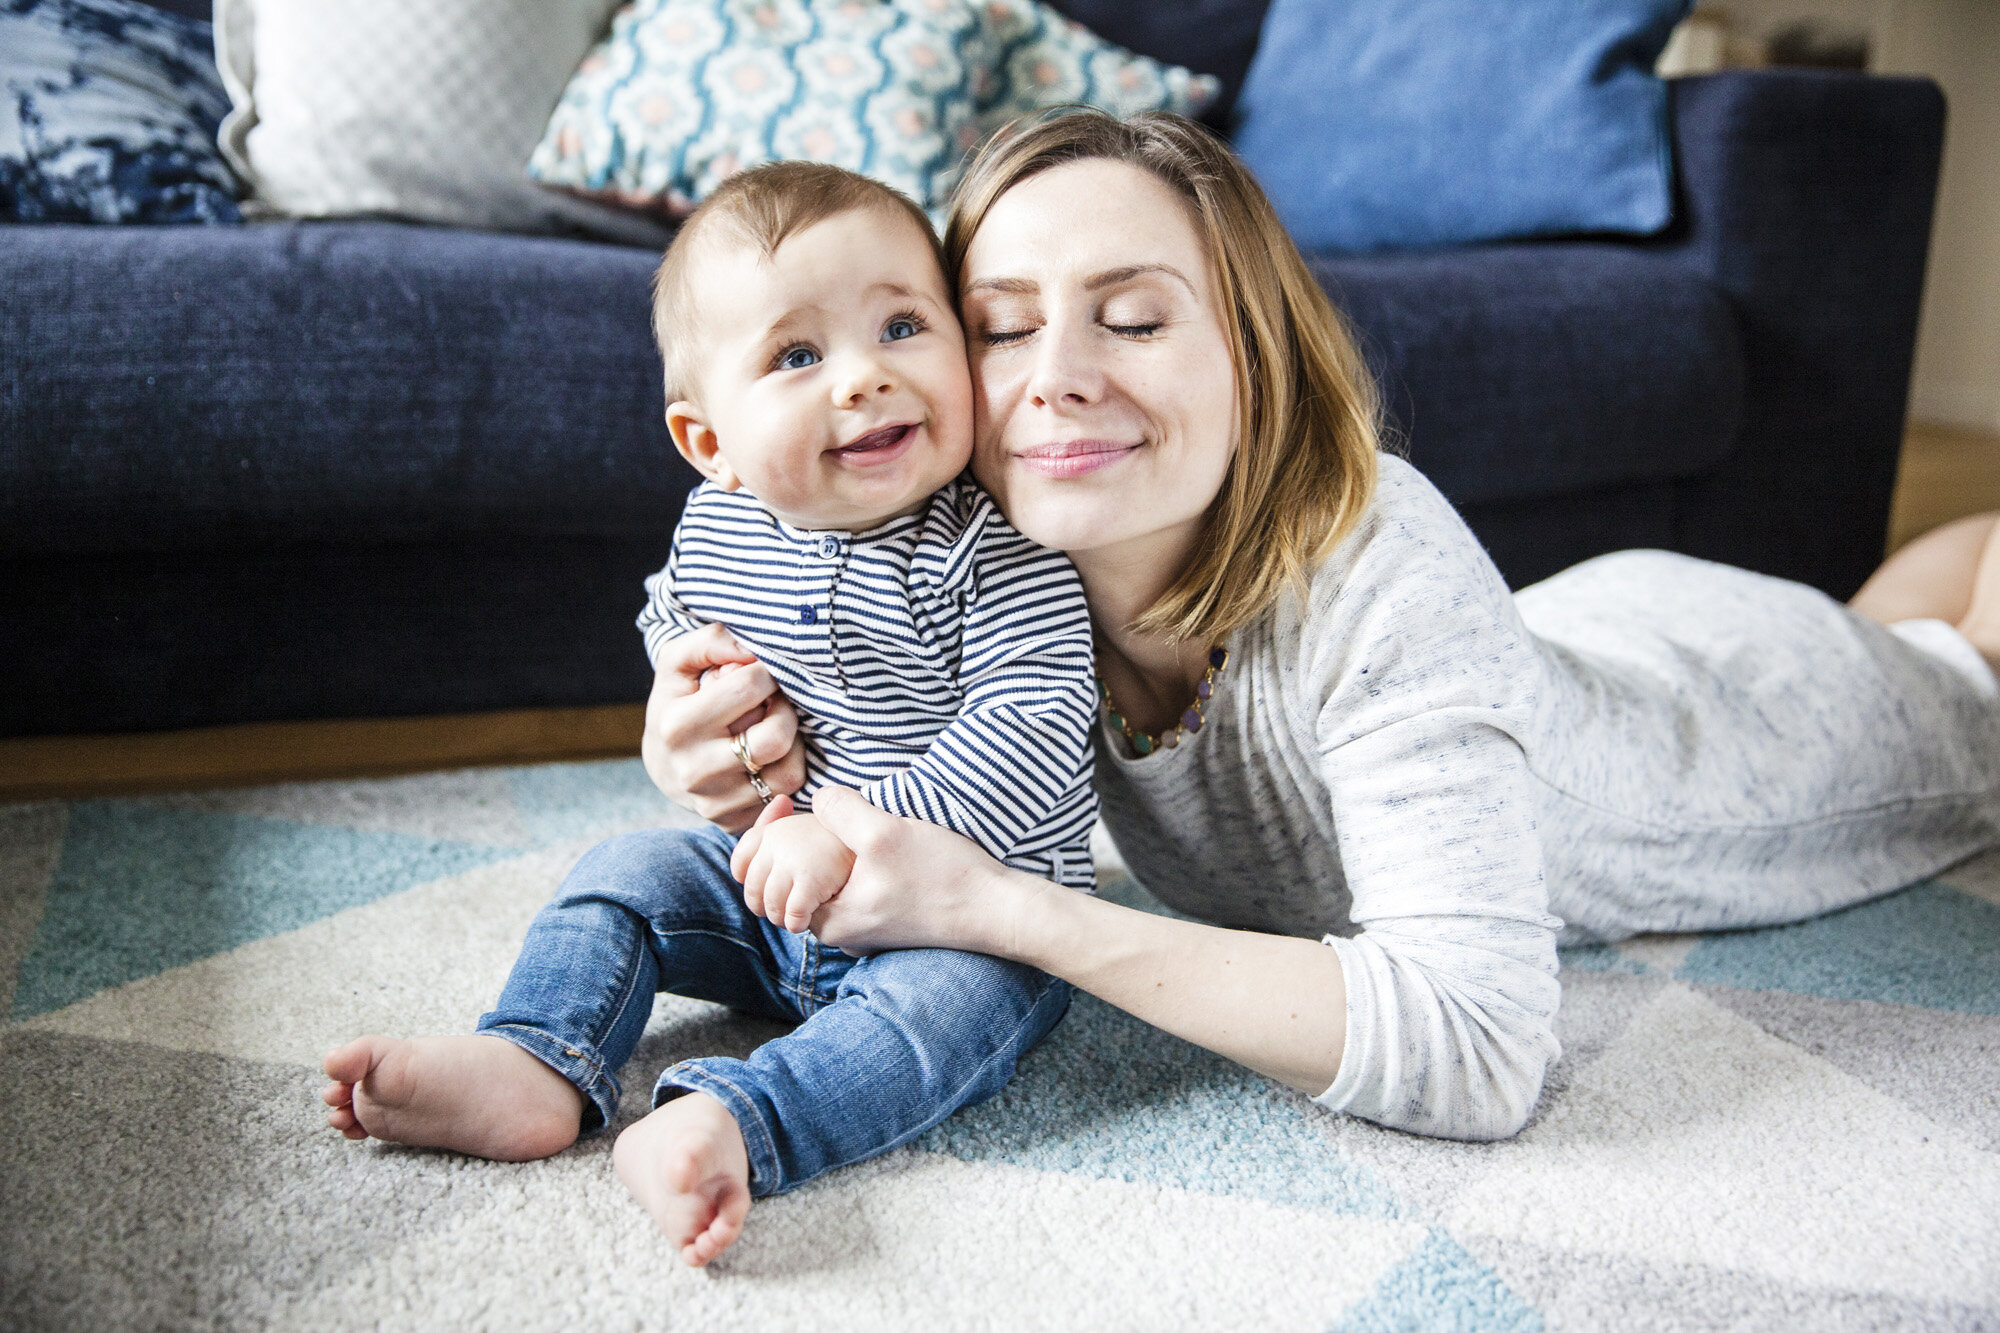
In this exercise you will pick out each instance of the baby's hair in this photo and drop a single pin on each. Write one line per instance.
(762, 207)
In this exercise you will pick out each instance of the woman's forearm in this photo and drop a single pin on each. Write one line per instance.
(1271, 1002)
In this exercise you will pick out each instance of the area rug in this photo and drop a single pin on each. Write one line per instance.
(1791, 1128)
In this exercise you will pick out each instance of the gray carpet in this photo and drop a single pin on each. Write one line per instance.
(1794, 1128)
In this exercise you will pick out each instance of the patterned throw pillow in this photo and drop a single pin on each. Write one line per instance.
(682, 93)
(110, 115)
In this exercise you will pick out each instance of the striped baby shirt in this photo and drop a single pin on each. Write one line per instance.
(941, 663)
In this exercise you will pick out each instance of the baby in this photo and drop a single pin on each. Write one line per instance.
(940, 663)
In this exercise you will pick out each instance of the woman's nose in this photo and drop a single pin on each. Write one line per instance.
(1064, 372)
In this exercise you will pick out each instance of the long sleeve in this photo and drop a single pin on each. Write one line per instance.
(1012, 772)
(1451, 982)
(1429, 681)
(665, 616)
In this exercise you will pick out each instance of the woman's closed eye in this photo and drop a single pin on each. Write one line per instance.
(1130, 318)
(1002, 337)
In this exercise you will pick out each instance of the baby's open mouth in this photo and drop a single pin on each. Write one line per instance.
(887, 437)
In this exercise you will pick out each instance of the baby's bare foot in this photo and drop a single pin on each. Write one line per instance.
(686, 1164)
(473, 1094)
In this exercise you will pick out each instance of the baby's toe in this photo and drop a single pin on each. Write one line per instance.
(352, 1062)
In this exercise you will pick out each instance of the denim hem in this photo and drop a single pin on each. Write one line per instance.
(766, 1177)
(600, 1089)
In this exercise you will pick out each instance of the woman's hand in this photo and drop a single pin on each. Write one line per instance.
(706, 690)
(914, 885)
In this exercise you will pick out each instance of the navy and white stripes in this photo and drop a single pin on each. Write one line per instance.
(940, 663)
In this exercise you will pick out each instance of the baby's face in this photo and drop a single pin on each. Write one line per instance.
(833, 381)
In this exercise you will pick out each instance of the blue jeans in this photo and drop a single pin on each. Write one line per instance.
(886, 1047)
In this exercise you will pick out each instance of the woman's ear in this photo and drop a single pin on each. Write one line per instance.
(697, 441)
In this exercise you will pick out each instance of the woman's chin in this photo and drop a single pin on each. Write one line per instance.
(1073, 525)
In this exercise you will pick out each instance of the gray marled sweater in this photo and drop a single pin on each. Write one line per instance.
(1438, 776)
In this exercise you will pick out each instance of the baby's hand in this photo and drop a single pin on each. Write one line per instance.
(796, 869)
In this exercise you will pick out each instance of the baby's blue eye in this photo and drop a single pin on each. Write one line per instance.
(899, 329)
(798, 358)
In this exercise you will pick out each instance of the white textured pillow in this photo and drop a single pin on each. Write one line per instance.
(423, 109)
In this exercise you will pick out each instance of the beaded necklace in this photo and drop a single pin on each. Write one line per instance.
(1144, 743)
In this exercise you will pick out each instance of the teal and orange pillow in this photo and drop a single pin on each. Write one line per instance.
(682, 93)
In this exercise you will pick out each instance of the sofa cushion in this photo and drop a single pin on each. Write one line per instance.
(375, 382)
(1514, 371)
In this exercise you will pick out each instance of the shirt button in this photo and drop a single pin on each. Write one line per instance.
(808, 616)
(829, 547)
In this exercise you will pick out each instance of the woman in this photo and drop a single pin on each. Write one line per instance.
(1330, 731)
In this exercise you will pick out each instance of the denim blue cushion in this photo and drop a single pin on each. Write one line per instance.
(110, 115)
(1390, 123)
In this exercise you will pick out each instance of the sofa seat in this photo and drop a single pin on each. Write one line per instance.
(380, 383)
(357, 382)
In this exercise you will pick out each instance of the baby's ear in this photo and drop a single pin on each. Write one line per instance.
(697, 441)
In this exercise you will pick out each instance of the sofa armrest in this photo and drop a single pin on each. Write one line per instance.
(1806, 199)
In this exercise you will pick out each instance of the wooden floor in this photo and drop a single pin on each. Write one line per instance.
(1945, 474)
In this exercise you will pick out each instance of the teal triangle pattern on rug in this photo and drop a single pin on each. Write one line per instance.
(1929, 946)
(1597, 958)
(139, 890)
(1109, 1098)
(1439, 1288)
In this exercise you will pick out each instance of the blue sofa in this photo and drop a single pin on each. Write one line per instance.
(364, 468)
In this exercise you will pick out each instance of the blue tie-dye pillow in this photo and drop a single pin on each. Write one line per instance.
(110, 115)
(683, 93)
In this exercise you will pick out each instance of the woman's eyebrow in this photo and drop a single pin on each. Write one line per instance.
(1111, 277)
(1012, 286)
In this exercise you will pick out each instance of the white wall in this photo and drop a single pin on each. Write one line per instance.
(1956, 42)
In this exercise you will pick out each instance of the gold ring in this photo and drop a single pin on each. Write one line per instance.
(742, 748)
(757, 783)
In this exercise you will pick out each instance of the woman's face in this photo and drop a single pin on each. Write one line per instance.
(1104, 385)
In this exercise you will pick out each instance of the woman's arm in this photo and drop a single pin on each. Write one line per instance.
(1270, 1002)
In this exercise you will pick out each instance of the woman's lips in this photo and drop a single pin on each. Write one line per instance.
(884, 445)
(1073, 458)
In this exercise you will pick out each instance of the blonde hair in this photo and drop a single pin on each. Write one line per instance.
(761, 207)
(1308, 416)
